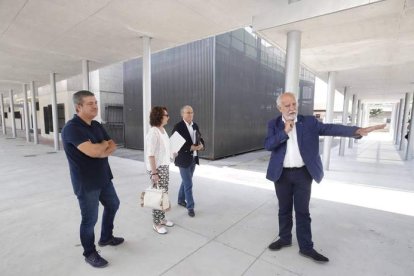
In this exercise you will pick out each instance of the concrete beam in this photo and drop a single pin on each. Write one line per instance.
(305, 9)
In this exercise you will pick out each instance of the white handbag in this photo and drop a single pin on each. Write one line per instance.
(155, 198)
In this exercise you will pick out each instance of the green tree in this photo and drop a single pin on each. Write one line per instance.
(375, 112)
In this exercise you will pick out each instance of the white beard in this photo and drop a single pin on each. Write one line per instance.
(290, 117)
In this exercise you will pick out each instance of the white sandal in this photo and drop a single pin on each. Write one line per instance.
(160, 230)
(167, 223)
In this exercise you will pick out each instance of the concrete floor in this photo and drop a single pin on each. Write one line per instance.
(362, 217)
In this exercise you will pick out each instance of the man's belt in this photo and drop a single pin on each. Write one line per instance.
(294, 168)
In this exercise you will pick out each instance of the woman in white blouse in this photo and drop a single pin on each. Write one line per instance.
(158, 159)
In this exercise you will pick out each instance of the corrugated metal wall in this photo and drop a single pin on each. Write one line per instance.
(133, 104)
(306, 91)
(249, 76)
(231, 80)
(180, 76)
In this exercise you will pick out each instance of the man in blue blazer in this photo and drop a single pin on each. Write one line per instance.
(294, 142)
(187, 157)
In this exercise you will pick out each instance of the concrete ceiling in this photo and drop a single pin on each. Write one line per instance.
(370, 46)
(38, 37)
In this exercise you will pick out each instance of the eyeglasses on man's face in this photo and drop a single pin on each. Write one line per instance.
(166, 115)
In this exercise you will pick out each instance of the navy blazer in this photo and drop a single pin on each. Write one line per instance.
(308, 130)
(185, 154)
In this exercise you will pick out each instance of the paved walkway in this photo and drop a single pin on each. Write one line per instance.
(362, 217)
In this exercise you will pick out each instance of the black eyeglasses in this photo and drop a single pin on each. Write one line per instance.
(166, 115)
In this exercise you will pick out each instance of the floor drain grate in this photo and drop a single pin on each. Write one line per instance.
(50, 152)
(30, 155)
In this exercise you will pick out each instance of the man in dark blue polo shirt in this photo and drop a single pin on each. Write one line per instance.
(87, 147)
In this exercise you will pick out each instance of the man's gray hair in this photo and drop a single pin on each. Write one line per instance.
(184, 108)
(77, 98)
(279, 98)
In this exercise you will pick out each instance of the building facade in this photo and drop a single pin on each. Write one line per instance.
(231, 81)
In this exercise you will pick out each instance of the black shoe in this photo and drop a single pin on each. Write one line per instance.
(191, 213)
(182, 204)
(315, 256)
(277, 245)
(112, 241)
(95, 260)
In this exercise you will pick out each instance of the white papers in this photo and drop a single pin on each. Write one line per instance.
(176, 142)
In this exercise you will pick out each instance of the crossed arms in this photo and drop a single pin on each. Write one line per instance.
(98, 150)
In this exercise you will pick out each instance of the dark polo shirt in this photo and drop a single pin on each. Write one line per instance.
(87, 173)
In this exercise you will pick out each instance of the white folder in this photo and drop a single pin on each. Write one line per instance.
(176, 142)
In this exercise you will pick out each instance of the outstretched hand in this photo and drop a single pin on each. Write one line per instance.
(363, 131)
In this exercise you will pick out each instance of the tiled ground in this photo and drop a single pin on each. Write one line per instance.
(362, 217)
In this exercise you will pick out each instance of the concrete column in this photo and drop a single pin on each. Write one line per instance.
(3, 120)
(29, 107)
(14, 135)
(399, 120)
(328, 119)
(54, 111)
(365, 113)
(344, 119)
(293, 62)
(359, 117)
(146, 83)
(394, 121)
(26, 113)
(405, 119)
(353, 119)
(359, 113)
(34, 113)
(410, 142)
(85, 75)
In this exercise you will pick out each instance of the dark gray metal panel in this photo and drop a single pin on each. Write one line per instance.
(180, 76)
(306, 92)
(249, 77)
(232, 81)
(133, 104)
(183, 76)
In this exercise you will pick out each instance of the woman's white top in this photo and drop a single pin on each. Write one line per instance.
(158, 145)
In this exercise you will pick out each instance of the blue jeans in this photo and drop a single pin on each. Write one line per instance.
(186, 189)
(294, 189)
(89, 203)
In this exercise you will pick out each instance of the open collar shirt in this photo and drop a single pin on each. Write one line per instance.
(293, 159)
(192, 134)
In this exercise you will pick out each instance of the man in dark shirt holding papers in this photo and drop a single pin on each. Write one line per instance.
(187, 157)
